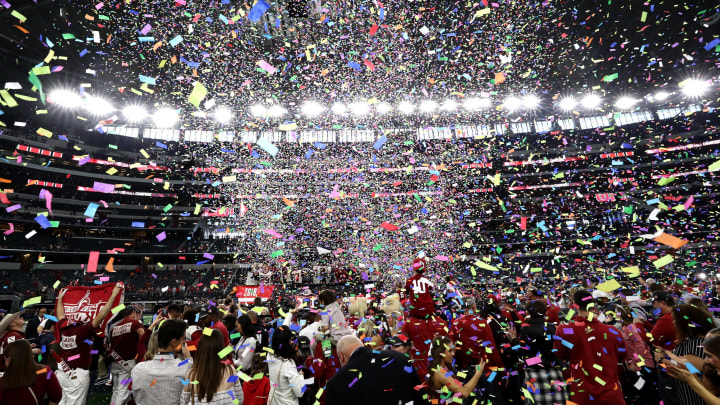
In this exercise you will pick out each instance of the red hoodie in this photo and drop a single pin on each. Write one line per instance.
(256, 392)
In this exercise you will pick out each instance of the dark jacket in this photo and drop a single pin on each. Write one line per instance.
(375, 377)
(538, 341)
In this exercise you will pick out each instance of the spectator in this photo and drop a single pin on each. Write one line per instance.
(11, 328)
(369, 376)
(593, 350)
(217, 380)
(286, 383)
(26, 382)
(663, 336)
(245, 348)
(419, 292)
(124, 338)
(474, 337)
(691, 325)
(639, 362)
(158, 381)
(208, 318)
(256, 391)
(333, 319)
(543, 374)
(31, 331)
(711, 346)
(442, 353)
(76, 343)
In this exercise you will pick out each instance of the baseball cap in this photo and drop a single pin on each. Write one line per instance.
(205, 311)
(400, 339)
(662, 295)
(600, 294)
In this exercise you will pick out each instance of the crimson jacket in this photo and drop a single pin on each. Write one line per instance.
(593, 351)
(663, 333)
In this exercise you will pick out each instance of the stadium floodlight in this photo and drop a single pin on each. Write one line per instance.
(312, 109)
(339, 109)
(165, 117)
(258, 110)
(626, 103)
(530, 102)
(694, 88)
(428, 106)
(473, 104)
(65, 98)
(661, 95)
(360, 108)
(223, 114)
(276, 111)
(406, 107)
(591, 101)
(98, 106)
(383, 108)
(449, 105)
(567, 103)
(512, 103)
(135, 113)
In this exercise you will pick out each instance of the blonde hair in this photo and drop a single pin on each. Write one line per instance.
(366, 329)
(357, 306)
(391, 304)
(152, 347)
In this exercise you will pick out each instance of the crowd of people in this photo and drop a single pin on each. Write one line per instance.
(623, 340)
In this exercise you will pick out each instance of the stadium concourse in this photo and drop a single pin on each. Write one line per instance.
(358, 202)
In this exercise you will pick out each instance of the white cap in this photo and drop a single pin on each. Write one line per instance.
(600, 294)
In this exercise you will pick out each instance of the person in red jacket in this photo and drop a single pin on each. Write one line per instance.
(11, 331)
(419, 290)
(593, 350)
(662, 336)
(208, 318)
(124, 337)
(474, 339)
(663, 333)
(552, 313)
(422, 325)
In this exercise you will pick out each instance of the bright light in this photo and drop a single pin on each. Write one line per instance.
(449, 105)
(406, 107)
(661, 95)
(428, 106)
(591, 101)
(134, 113)
(65, 98)
(312, 109)
(98, 106)
(530, 102)
(360, 108)
(472, 104)
(625, 103)
(276, 111)
(567, 103)
(165, 117)
(339, 109)
(702, 276)
(223, 114)
(258, 110)
(694, 88)
(512, 103)
(383, 108)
